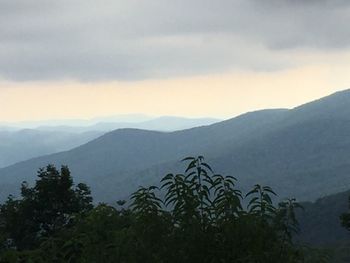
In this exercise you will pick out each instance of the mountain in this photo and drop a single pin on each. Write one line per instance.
(8, 128)
(303, 152)
(123, 153)
(137, 121)
(123, 118)
(320, 220)
(170, 123)
(165, 123)
(21, 145)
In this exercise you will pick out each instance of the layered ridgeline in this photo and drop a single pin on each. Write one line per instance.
(164, 123)
(42, 138)
(20, 145)
(302, 152)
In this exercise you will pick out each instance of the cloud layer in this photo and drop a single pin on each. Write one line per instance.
(103, 40)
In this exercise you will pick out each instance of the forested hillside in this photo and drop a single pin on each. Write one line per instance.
(301, 152)
(195, 216)
(20, 144)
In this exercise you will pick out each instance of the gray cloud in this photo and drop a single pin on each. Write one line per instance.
(135, 39)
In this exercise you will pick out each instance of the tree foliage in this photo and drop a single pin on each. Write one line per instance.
(197, 216)
(43, 210)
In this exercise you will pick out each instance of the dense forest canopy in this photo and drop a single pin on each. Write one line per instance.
(197, 216)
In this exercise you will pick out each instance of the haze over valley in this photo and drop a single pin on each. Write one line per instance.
(27, 140)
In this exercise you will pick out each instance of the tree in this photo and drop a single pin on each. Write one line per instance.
(197, 216)
(45, 209)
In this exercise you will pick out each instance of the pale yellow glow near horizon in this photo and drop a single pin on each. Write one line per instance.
(219, 95)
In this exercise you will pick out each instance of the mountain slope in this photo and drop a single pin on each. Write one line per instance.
(120, 155)
(165, 123)
(303, 152)
(320, 221)
(22, 145)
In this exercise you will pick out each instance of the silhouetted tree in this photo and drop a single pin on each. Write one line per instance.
(197, 216)
(45, 209)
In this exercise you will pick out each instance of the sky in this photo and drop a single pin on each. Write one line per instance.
(195, 58)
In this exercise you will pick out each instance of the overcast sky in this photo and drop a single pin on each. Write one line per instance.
(119, 49)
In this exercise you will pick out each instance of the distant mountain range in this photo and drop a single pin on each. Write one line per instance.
(303, 152)
(18, 144)
(165, 123)
(123, 118)
(137, 121)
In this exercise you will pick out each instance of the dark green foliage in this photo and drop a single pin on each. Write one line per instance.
(345, 219)
(45, 209)
(197, 216)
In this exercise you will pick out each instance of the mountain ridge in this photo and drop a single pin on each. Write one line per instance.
(23, 144)
(282, 148)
